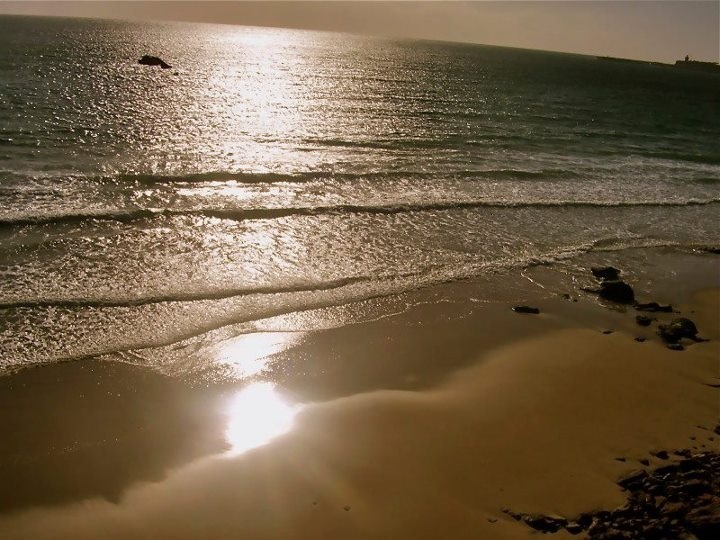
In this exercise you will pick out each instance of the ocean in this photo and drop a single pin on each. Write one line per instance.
(149, 215)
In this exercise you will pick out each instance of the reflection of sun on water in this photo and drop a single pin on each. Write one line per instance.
(249, 354)
(257, 414)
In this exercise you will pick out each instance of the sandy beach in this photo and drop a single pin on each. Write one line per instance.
(427, 422)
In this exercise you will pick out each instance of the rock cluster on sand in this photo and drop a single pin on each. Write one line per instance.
(678, 500)
(613, 289)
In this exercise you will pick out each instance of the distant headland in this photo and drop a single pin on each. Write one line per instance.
(687, 63)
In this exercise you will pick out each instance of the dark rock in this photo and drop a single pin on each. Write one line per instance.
(644, 461)
(675, 347)
(346, 508)
(643, 320)
(678, 329)
(605, 273)
(633, 481)
(654, 307)
(640, 339)
(148, 60)
(617, 291)
(676, 501)
(621, 459)
(585, 520)
(573, 527)
(696, 487)
(525, 309)
(704, 521)
(607, 332)
(714, 250)
(673, 507)
(544, 523)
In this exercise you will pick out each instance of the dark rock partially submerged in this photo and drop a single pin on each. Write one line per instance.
(678, 329)
(148, 60)
(606, 273)
(642, 320)
(617, 291)
(526, 309)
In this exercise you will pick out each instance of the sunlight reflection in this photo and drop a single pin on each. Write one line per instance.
(248, 354)
(257, 414)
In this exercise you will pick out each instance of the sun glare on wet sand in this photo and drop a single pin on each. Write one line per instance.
(257, 414)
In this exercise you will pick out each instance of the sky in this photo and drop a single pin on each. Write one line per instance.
(643, 29)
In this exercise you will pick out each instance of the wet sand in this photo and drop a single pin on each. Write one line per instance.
(425, 423)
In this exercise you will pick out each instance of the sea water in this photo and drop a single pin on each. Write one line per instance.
(271, 171)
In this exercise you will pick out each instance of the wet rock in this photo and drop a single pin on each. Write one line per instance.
(617, 291)
(676, 501)
(608, 332)
(545, 523)
(654, 307)
(640, 339)
(605, 273)
(643, 320)
(662, 454)
(704, 521)
(675, 347)
(526, 309)
(678, 329)
(644, 461)
(148, 60)
(633, 481)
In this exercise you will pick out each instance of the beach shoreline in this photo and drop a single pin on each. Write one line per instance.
(420, 423)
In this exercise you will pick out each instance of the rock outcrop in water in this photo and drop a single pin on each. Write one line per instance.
(606, 273)
(611, 286)
(148, 60)
(617, 291)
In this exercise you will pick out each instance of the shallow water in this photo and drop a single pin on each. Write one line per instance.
(276, 170)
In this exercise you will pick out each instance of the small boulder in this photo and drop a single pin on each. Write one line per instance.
(642, 320)
(617, 291)
(148, 60)
(678, 329)
(605, 273)
(526, 309)
(675, 347)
